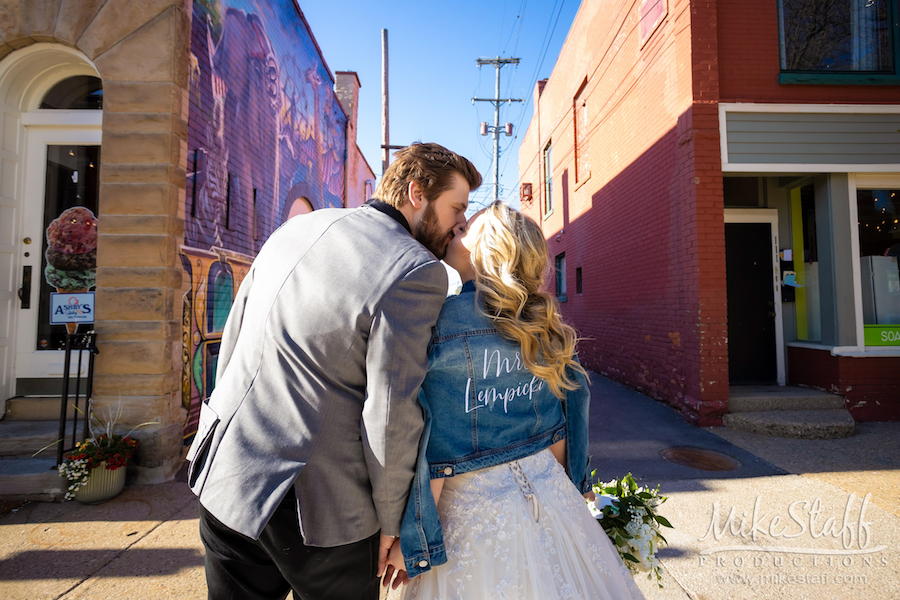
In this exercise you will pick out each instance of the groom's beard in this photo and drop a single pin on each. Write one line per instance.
(430, 235)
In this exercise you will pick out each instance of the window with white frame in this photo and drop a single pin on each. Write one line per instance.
(561, 277)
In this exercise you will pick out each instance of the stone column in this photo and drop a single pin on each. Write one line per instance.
(142, 51)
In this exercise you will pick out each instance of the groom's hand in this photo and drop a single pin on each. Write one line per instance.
(395, 565)
(384, 547)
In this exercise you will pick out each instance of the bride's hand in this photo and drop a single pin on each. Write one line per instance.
(590, 496)
(396, 565)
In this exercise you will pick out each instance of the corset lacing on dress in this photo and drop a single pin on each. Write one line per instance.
(524, 486)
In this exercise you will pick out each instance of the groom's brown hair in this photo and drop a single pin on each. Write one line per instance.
(431, 166)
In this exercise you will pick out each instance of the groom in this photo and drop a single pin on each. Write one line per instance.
(307, 447)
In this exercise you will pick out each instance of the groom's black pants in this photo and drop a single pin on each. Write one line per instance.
(241, 568)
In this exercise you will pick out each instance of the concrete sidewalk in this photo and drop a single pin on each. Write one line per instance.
(144, 544)
(798, 505)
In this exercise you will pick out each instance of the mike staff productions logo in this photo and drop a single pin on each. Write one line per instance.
(834, 548)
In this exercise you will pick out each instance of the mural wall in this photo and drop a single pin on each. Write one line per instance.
(266, 141)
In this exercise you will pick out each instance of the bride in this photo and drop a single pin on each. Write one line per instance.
(496, 509)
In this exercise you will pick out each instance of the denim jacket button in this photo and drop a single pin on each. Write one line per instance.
(423, 563)
(448, 471)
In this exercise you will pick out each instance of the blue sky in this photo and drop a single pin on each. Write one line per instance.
(433, 71)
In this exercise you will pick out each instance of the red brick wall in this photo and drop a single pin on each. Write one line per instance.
(749, 61)
(870, 385)
(646, 227)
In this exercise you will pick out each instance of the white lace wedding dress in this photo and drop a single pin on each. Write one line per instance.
(521, 531)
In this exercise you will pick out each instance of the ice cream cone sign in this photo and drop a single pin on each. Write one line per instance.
(71, 327)
(72, 253)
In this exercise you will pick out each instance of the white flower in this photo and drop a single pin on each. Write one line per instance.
(600, 502)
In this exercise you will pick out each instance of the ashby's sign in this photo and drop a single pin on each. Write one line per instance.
(882, 335)
(71, 308)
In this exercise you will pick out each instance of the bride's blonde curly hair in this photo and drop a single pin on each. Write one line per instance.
(510, 257)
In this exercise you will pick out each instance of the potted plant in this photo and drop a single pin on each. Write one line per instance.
(95, 468)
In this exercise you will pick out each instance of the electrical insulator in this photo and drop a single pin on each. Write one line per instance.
(509, 129)
(484, 128)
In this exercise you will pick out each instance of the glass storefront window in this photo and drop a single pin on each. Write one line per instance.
(806, 264)
(879, 251)
(69, 257)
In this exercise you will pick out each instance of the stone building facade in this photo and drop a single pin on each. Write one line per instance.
(185, 133)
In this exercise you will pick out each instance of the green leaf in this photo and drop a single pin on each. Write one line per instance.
(627, 556)
(47, 446)
(662, 521)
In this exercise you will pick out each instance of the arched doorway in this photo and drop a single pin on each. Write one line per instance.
(51, 100)
(300, 206)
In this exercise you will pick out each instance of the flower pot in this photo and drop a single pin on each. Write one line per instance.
(102, 485)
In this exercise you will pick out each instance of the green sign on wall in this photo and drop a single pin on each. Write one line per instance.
(882, 335)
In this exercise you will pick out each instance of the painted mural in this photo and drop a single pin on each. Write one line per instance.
(266, 140)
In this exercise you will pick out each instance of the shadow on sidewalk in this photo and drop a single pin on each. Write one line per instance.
(629, 431)
(77, 564)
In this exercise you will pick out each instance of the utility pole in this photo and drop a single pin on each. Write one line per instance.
(386, 146)
(385, 122)
(496, 101)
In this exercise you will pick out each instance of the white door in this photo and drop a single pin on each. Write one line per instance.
(61, 173)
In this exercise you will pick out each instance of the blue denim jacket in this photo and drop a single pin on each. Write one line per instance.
(482, 408)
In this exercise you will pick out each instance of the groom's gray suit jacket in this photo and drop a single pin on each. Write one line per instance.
(318, 373)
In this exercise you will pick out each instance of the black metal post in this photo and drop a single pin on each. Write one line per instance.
(89, 388)
(80, 345)
(65, 400)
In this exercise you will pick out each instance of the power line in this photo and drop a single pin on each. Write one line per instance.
(520, 19)
(547, 40)
(545, 46)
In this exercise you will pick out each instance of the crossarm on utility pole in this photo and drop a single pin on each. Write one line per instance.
(497, 101)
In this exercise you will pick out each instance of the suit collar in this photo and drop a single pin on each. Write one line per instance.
(389, 211)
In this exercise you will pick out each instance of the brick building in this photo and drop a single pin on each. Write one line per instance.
(720, 188)
(147, 150)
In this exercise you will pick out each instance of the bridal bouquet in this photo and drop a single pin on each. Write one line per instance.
(627, 513)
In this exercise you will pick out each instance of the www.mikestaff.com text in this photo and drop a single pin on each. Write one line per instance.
(786, 579)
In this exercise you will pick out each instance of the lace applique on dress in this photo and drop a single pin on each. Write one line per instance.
(522, 531)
